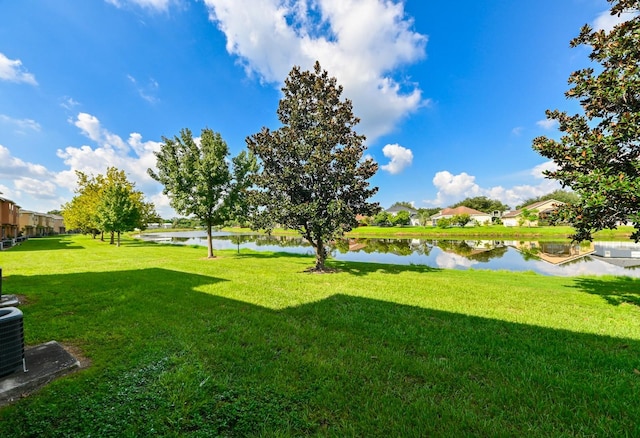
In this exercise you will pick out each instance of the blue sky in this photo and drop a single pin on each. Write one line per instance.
(450, 95)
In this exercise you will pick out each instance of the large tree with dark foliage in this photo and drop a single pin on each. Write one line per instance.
(199, 181)
(599, 154)
(483, 204)
(313, 177)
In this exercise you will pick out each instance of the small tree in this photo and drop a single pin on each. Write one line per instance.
(121, 207)
(424, 215)
(80, 212)
(382, 219)
(401, 218)
(199, 182)
(599, 155)
(444, 222)
(107, 203)
(313, 177)
(461, 220)
(527, 217)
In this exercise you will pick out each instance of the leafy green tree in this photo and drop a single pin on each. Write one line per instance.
(461, 220)
(599, 154)
(403, 217)
(483, 204)
(382, 219)
(527, 217)
(198, 180)
(119, 206)
(424, 215)
(444, 222)
(100, 205)
(313, 176)
(80, 212)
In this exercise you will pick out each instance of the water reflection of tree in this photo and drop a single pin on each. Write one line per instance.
(401, 247)
(478, 250)
(494, 253)
(529, 252)
(459, 247)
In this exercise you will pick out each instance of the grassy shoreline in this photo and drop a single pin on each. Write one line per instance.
(249, 345)
(490, 232)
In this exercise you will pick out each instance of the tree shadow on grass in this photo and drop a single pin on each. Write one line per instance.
(616, 291)
(188, 362)
(361, 269)
(45, 244)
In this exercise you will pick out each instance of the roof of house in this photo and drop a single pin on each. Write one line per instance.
(534, 206)
(460, 210)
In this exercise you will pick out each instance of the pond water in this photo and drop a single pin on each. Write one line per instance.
(549, 258)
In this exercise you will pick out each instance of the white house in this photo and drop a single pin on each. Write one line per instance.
(448, 213)
(541, 208)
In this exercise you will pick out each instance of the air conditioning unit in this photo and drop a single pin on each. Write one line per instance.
(11, 340)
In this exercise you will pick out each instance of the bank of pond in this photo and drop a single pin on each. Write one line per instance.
(547, 257)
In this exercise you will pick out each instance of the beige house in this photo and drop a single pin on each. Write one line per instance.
(57, 223)
(476, 216)
(34, 224)
(28, 223)
(541, 208)
(9, 219)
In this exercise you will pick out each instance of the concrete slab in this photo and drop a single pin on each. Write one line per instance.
(44, 363)
(9, 301)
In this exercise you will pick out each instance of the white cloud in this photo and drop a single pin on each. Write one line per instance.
(37, 188)
(30, 185)
(6, 192)
(453, 188)
(34, 187)
(12, 167)
(360, 42)
(547, 124)
(517, 130)
(69, 103)
(21, 124)
(147, 92)
(536, 172)
(400, 157)
(447, 260)
(156, 5)
(134, 156)
(11, 70)
(605, 21)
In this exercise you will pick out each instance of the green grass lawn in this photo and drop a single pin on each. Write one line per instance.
(249, 345)
(490, 232)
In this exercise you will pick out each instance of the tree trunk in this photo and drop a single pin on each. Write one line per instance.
(209, 243)
(111, 239)
(321, 255)
(118, 239)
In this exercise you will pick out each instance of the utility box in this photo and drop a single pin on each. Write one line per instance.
(11, 340)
